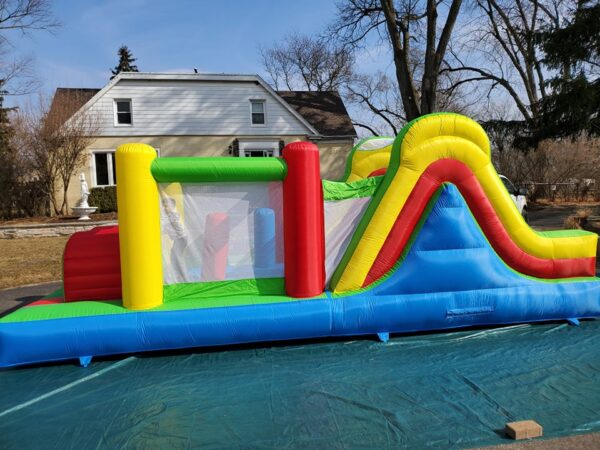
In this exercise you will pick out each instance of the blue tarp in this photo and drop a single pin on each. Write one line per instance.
(447, 390)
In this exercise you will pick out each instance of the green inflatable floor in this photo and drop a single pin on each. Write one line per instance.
(446, 390)
(177, 297)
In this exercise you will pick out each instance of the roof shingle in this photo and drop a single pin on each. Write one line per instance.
(324, 110)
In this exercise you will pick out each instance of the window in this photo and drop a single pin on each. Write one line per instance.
(257, 153)
(253, 149)
(257, 108)
(123, 114)
(103, 168)
(508, 185)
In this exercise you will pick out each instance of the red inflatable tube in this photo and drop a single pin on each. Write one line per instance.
(216, 247)
(303, 221)
(449, 170)
(378, 172)
(91, 265)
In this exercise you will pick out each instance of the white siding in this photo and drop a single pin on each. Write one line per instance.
(194, 108)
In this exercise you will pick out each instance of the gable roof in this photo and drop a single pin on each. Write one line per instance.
(323, 113)
(67, 101)
(325, 110)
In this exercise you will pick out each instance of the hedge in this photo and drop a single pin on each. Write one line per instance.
(105, 198)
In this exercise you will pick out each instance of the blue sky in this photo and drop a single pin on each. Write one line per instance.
(176, 35)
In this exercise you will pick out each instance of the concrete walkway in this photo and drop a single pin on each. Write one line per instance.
(579, 442)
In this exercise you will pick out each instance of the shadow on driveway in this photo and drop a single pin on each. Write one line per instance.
(13, 298)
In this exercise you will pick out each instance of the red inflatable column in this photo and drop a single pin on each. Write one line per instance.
(304, 234)
(216, 247)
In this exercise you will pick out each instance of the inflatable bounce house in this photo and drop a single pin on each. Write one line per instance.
(421, 234)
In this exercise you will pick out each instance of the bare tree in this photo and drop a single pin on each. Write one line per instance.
(381, 103)
(405, 23)
(36, 166)
(303, 62)
(26, 15)
(503, 52)
(54, 138)
(21, 17)
(68, 132)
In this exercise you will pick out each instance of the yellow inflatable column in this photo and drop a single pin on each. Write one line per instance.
(139, 227)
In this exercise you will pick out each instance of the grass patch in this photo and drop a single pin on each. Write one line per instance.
(31, 260)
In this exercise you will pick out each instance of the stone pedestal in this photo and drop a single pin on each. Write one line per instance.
(84, 211)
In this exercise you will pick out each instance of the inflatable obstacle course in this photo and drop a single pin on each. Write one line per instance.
(420, 235)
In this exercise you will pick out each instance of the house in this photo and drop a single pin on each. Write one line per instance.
(207, 115)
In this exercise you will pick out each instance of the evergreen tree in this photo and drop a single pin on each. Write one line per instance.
(8, 175)
(126, 61)
(5, 128)
(574, 51)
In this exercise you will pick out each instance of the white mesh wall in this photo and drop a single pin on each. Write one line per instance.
(341, 219)
(221, 231)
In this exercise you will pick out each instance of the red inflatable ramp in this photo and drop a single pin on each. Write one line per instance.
(92, 266)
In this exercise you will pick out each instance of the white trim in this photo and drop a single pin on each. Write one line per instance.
(116, 112)
(264, 105)
(196, 77)
(268, 145)
(109, 167)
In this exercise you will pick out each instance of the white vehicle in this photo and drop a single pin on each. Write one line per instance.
(518, 196)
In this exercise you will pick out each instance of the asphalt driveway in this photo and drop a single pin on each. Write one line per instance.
(14, 298)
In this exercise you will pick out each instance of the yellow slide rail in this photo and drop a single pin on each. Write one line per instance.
(367, 156)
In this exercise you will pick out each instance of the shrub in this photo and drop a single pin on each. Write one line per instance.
(104, 198)
(23, 199)
(579, 219)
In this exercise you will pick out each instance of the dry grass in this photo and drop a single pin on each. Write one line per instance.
(31, 260)
(579, 219)
(583, 213)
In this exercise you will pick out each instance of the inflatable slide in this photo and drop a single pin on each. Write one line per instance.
(420, 235)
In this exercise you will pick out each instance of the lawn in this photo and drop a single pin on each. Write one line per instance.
(34, 260)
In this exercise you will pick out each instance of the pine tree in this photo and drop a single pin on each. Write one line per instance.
(8, 176)
(5, 128)
(574, 105)
(126, 61)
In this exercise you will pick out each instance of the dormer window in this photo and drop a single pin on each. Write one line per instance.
(257, 109)
(123, 114)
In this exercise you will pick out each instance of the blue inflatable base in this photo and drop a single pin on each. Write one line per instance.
(449, 278)
(60, 339)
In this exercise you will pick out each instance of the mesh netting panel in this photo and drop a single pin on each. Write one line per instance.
(221, 231)
(341, 219)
